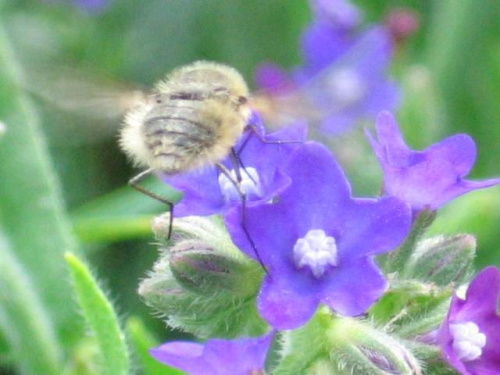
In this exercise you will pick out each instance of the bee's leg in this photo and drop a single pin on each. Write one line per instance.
(243, 197)
(135, 181)
(238, 165)
(254, 131)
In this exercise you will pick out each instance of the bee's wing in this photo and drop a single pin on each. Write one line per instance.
(83, 93)
(82, 107)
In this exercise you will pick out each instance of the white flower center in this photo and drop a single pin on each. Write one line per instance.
(468, 341)
(346, 86)
(250, 184)
(317, 251)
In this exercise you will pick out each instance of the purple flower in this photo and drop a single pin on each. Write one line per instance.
(470, 334)
(318, 243)
(429, 178)
(91, 6)
(344, 76)
(217, 357)
(207, 191)
(339, 13)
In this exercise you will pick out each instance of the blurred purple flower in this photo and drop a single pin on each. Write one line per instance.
(470, 334)
(207, 191)
(338, 13)
(344, 76)
(92, 6)
(318, 243)
(429, 178)
(217, 357)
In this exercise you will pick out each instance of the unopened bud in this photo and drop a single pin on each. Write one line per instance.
(374, 350)
(203, 274)
(402, 23)
(161, 228)
(201, 268)
(443, 260)
(331, 344)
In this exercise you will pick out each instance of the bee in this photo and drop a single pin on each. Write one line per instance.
(192, 119)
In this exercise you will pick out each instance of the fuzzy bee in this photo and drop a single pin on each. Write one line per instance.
(192, 119)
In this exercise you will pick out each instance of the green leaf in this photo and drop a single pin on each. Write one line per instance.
(24, 320)
(143, 341)
(31, 209)
(102, 319)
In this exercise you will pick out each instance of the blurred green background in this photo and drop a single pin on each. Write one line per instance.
(63, 177)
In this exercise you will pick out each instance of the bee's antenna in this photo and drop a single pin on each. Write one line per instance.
(135, 181)
(237, 184)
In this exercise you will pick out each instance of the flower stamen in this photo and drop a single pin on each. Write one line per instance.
(250, 184)
(317, 251)
(468, 341)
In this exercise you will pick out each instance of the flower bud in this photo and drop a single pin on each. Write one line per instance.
(340, 345)
(203, 274)
(443, 260)
(202, 269)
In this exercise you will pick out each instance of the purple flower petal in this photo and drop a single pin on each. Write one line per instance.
(284, 304)
(204, 193)
(428, 178)
(216, 356)
(272, 78)
(355, 287)
(186, 356)
(339, 13)
(371, 227)
(317, 207)
(322, 45)
(479, 309)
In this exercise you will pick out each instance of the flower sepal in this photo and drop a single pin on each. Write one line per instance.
(339, 345)
(411, 308)
(443, 260)
(396, 261)
(204, 275)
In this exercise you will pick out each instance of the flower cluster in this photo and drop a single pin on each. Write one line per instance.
(342, 283)
(344, 78)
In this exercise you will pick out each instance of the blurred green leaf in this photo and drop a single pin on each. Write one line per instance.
(459, 40)
(477, 213)
(102, 319)
(31, 209)
(143, 341)
(127, 201)
(113, 229)
(24, 320)
(122, 215)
